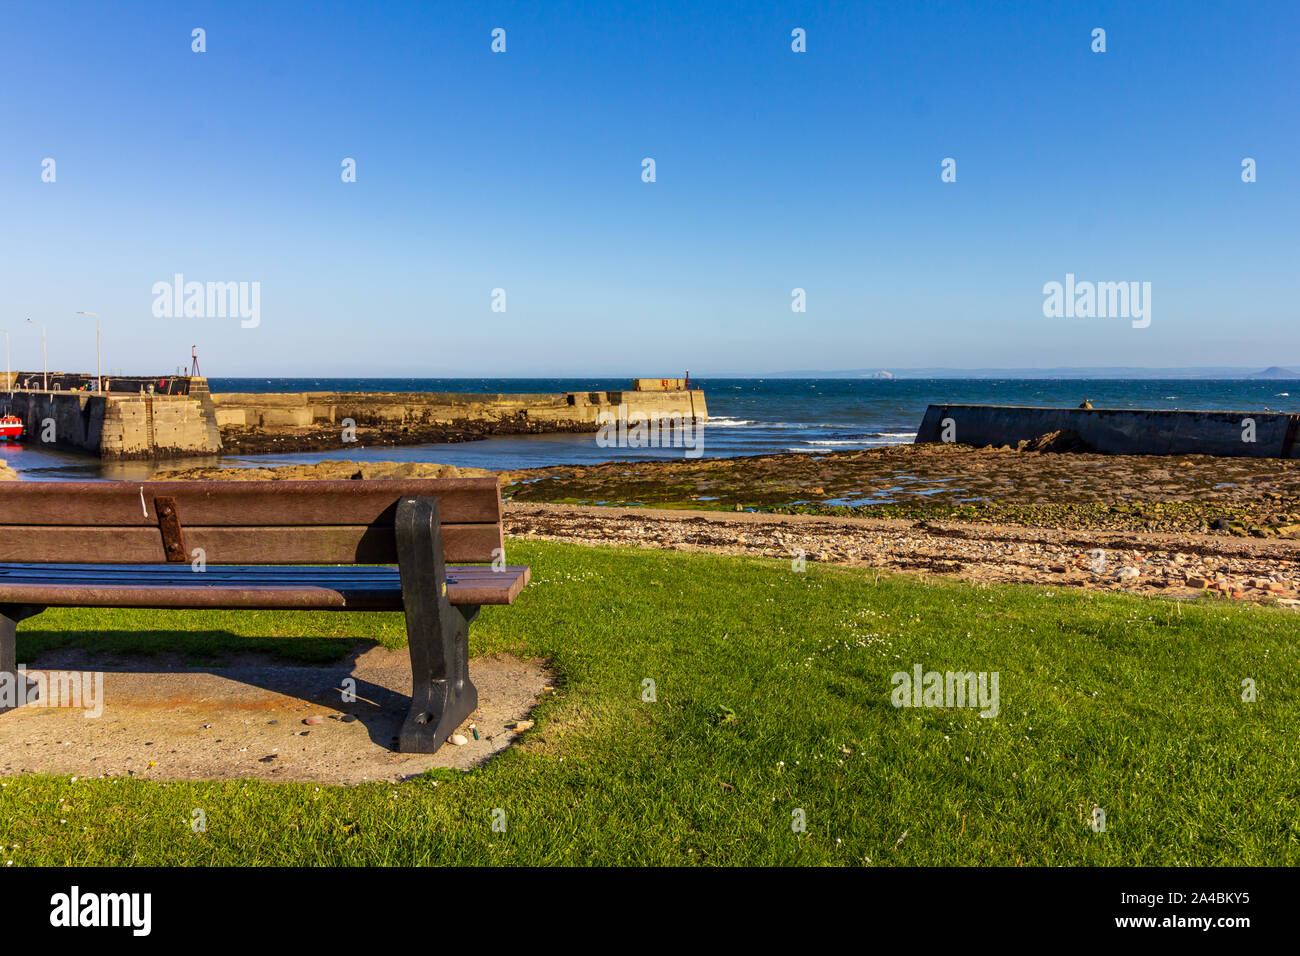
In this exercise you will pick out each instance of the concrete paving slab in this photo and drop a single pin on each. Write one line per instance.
(169, 722)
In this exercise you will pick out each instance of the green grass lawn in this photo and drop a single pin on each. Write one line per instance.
(773, 695)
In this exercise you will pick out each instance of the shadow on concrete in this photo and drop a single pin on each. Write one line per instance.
(365, 682)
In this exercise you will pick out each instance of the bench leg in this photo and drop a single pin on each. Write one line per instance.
(12, 696)
(437, 632)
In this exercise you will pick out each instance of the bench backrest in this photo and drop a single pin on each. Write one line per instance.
(238, 522)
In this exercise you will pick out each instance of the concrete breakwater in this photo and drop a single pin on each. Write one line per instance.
(300, 409)
(117, 427)
(145, 425)
(1118, 431)
(257, 422)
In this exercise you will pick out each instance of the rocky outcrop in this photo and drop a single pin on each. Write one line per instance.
(325, 470)
(1061, 440)
(282, 439)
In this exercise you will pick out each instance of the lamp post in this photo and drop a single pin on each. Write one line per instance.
(99, 367)
(9, 384)
(45, 361)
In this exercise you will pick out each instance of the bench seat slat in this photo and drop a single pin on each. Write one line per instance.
(224, 571)
(244, 503)
(323, 544)
(177, 586)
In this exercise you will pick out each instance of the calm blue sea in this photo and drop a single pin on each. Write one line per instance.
(747, 416)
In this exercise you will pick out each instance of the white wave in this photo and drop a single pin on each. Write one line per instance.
(1282, 395)
(861, 444)
(873, 440)
(723, 421)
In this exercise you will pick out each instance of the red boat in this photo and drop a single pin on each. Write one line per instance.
(11, 428)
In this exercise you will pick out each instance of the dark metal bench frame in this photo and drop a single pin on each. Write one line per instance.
(437, 631)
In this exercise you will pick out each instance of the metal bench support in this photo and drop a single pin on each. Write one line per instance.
(436, 631)
(11, 695)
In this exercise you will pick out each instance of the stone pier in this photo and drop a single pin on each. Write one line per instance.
(567, 411)
(188, 420)
(119, 426)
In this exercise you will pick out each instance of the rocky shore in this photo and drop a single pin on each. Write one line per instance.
(1178, 527)
(273, 439)
(1257, 497)
(326, 471)
(1150, 563)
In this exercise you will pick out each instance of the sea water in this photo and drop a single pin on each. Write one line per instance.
(746, 417)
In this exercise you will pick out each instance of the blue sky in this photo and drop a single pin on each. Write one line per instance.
(775, 170)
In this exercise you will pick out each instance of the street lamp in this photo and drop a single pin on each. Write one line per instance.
(9, 383)
(45, 362)
(99, 368)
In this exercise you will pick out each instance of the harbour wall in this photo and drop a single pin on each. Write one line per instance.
(567, 411)
(144, 425)
(1119, 431)
(119, 426)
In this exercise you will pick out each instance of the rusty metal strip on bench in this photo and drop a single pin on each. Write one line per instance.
(169, 523)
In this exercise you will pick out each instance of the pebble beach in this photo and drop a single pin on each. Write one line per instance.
(1182, 527)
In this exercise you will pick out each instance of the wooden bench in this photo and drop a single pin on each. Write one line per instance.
(305, 545)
